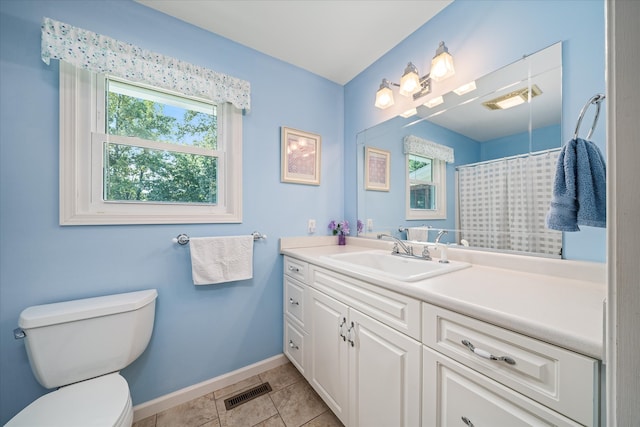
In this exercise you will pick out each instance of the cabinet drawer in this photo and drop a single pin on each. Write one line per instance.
(558, 378)
(296, 268)
(457, 396)
(294, 299)
(398, 311)
(294, 349)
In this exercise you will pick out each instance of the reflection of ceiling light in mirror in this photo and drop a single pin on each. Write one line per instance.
(471, 86)
(510, 102)
(409, 113)
(513, 99)
(434, 102)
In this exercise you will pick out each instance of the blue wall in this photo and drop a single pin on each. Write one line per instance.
(200, 332)
(203, 332)
(541, 139)
(484, 36)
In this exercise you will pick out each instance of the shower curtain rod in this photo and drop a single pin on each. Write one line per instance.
(517, 156)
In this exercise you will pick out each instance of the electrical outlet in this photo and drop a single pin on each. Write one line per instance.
(369, 224)
(311, 226)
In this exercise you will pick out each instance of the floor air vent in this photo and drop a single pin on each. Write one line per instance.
(245, 396)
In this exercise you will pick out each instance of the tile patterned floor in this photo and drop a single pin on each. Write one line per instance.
(291, 403)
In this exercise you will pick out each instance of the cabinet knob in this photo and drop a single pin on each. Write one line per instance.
(487, 355)
(467, 421)
(292, 268)
(292, 302)
(293, 345)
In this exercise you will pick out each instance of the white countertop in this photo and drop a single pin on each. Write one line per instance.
(557, 301)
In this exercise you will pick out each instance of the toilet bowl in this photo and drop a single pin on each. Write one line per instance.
(80, 346)
(102, 401)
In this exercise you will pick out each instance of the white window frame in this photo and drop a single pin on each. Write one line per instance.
(82, 124)
(439, 168)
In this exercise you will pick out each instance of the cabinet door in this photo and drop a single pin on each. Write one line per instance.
(384, 379)
(455, 395)
(329, 352)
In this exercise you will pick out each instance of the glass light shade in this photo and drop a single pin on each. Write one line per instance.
(384, 96)
(442, 64)
(410, 81)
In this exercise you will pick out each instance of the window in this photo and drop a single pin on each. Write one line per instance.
(426, 188)
(135, 154)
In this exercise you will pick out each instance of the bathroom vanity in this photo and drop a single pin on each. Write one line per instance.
(507, 340)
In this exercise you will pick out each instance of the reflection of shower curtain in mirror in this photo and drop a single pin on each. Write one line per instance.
(502, 204)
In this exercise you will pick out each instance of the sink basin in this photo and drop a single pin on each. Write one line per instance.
(397, 267)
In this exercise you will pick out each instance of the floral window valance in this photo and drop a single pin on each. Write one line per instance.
(422, 147)
(102, 54)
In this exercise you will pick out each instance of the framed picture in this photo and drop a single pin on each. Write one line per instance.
(301, 152)
(376, 169)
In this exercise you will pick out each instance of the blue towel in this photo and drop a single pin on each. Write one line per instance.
(579, 190)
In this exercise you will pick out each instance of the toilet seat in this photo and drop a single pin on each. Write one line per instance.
(100, 402)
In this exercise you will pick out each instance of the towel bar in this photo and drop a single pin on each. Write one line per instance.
(183, 239)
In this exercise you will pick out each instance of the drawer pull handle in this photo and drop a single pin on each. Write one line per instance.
(292, 268)
(486, 354)
(293, 345)
(349, 334)
(344, 320)
(292, 302)
(467, 421)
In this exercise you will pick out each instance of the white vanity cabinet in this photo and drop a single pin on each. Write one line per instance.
(378, 357)
(359, 356)
(295, 313)
(478, 374)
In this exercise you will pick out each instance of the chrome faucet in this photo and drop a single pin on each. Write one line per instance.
(442, 247)
(439, 236)
(408, 250)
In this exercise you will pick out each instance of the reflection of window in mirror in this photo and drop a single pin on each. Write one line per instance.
(426, 188)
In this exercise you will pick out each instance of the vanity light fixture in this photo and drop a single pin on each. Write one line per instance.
(434, 102)
(466, 88)
(512, 99)
(411, 84)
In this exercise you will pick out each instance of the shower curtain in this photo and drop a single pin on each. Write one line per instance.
(502, 203)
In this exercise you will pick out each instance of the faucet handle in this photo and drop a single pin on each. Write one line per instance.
(425, 252)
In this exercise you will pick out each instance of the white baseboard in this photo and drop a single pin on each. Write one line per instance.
(186, 394)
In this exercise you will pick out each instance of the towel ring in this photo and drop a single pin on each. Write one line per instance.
(596, 99)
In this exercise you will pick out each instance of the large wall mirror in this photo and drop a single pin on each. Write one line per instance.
(505, 136)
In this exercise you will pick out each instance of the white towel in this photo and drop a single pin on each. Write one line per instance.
(221, 259)
(419, 234)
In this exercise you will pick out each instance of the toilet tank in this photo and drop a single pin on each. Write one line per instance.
(76, 340)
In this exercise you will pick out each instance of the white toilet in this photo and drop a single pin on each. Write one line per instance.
(80, 346)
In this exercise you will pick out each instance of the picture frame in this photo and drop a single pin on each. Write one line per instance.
(376, 169)
(301, 154)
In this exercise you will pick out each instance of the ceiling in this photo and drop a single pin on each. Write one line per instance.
(335, 39)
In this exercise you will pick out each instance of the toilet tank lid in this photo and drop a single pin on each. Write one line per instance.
(69, 311)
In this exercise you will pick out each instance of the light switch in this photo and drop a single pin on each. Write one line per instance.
(311, 226)
(369, 224)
